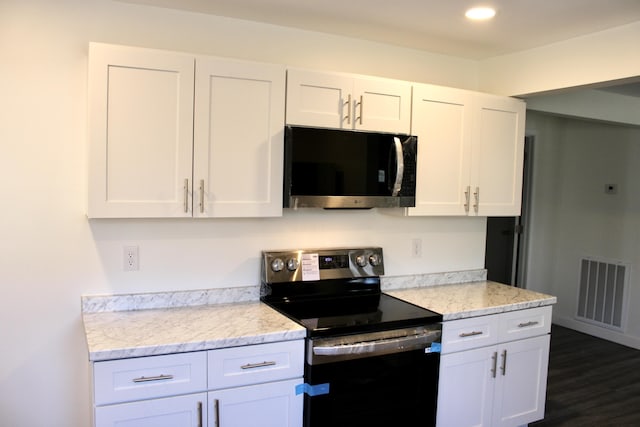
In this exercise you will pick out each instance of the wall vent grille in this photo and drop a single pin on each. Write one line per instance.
(601, 293)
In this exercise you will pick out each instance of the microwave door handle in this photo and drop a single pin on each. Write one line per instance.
(397, 186)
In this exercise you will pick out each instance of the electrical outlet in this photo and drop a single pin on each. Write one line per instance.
(416, 248)
(130, 258)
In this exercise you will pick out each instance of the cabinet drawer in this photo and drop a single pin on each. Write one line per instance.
(188, 410)
(469, 333)
(235, 366)
(148, 377)
(521, 324)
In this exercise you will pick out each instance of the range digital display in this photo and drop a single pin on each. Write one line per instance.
(328, 262)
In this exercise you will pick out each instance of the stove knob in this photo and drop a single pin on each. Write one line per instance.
(292, 264)
(361, 260)
(277, 265)
(375, 259)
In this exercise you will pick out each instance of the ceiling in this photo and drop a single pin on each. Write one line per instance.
(437, 26)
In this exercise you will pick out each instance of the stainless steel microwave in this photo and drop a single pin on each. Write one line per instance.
(347, 169)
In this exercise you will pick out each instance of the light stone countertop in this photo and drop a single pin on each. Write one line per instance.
(462, 300)
(134, 325)
(124, 334)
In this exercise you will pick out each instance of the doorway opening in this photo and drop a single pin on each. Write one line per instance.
(506, 239)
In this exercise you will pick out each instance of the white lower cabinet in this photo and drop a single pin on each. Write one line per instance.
(499, 376)
(187, 411)
(272, 404)
(239, 386)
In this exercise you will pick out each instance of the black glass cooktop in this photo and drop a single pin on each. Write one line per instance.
(354, 314)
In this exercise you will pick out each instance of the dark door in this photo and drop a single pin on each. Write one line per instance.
(506, 236)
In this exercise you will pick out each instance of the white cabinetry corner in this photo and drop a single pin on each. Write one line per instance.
(152, 155)
(493, 369)
(470, 152)
(239, 386)
(345, 101)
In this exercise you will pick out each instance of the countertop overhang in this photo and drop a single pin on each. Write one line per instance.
(462, 300)
(138, 332)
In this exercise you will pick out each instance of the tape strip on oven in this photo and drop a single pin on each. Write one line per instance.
(312, 390)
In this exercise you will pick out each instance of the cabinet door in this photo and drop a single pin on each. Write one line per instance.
(239, 139)
(521, 382)
(498, 155)
(272, 404)
(465, 388)
(319, 99)
(141, 132)
(184, 411)
(381, 105)
(442, 121)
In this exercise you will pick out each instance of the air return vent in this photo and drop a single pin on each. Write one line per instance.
(602, 292)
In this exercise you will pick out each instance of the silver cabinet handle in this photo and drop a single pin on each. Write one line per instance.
(199, 414)
(476, 195)
(348, 106)
(216, 413)
(257, 365)
(467, 197)
(202, 196)
(503, 368)
(186, 195)
(359, 118)
(527, 324)
(494, 364)
(156, 378)
(470, 334)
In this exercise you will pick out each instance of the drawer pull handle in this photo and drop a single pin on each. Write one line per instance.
(494, 364)
(257, 365)
(156, 378)
(503, 368)
(470, 334)
(524, 325)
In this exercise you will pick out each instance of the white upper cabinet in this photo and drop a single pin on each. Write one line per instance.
(346, 101)
(470, 152)
(498, 153)
(140, 132)
(441, 120)
(238, 139)
(153, 155)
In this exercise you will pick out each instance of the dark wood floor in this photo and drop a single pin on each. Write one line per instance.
(592, 382)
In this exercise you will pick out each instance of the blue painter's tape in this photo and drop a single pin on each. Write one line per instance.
(312, 390)
(436, 347)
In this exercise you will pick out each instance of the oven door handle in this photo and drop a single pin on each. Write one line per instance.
(397, 185)
(383, 346)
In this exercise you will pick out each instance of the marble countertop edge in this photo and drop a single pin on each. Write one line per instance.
(138, 325)
(475, 312)
(98, 355)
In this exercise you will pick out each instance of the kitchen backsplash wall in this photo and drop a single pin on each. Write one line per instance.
(51, 254)
(202, 254)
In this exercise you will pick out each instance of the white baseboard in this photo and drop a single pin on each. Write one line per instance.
(596, 331)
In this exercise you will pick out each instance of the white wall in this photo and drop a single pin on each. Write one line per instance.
(589, 104)
(604, 56)
(572, 217)
(50, 254)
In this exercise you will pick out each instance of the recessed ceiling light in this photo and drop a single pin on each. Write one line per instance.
(480, 13)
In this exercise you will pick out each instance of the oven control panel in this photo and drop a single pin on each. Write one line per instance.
(321, 264)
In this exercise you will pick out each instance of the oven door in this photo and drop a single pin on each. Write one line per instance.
(394, 388)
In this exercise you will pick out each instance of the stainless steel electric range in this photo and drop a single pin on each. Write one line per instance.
(371, 359)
